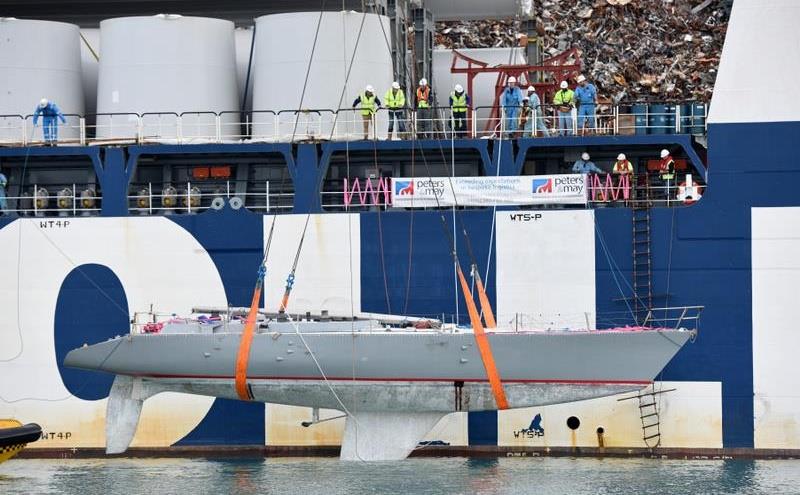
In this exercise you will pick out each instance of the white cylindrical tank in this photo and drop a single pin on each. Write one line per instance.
(283, 48)
(39, 59)
(90, 54)
(244, 43)
(160, 67)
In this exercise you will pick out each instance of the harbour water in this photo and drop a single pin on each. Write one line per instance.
(310, 476)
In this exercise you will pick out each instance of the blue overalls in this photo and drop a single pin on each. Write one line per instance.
(585, 97)
(49, 113)
(511, 101)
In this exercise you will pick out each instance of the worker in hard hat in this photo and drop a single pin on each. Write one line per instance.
(666, 173)
(423, 109)
(585, 165)
(3, 200)
(525, 117)
(564, 100)
(511, 101)
(50, 115)
(535, 122)
(622, 166)
(369, 105)
(395, 100)
(586, 101)
(459, 103)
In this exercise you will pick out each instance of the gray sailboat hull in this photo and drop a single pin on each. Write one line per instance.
(425, 371)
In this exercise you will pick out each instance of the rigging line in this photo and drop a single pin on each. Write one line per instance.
(385, 38)
(308, 68)
(611, 269)
(290, 278)
(249, 68)
(324, 376)
(347, 75)
(380, 235)
(78, 268)
(69, 394)
(615, 266)
(494, 207)
(669, 260)
(486, 308)
(19, 254)
(410, 237)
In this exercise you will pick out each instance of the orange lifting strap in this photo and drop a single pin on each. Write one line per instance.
(483, 345)
(243, 357)
(488, 315)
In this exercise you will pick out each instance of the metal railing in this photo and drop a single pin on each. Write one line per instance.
(675, 317)
(188, 198)
(619, 190)
(349, 124)
(68, 201)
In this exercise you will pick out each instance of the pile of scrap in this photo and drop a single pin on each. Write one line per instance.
(632, 49)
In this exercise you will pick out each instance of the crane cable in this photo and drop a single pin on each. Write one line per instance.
(243, 390)
(481, 339)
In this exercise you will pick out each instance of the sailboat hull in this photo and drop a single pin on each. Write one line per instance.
(370, 371)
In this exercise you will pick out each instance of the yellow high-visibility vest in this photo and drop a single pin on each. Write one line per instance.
(459, 102)
(394, 100)
(368, 106)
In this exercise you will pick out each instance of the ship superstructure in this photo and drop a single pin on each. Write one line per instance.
(145, 235)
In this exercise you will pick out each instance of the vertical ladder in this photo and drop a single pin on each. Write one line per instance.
(642, 259)
(649, 414)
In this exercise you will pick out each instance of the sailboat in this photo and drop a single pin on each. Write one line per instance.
(386, 373)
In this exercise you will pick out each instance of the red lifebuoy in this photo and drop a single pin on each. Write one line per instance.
(692, 198)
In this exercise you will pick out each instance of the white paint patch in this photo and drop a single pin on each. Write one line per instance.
(328, 275)
(776, 339)
(283, 427)
(750, 85)
(690, 416)
(546, 269)
(156, 261)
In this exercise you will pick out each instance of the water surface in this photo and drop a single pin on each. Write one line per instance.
(310, 476)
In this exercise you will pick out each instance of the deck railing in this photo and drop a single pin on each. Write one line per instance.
(348, 124)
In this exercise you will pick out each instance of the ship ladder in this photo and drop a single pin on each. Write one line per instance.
(642, 256)
(650, 413)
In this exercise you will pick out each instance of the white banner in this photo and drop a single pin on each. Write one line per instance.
(430, 192)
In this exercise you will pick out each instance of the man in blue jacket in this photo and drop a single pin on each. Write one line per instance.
(585, 166)
(49, 112)
(586, 99)
(511, 101)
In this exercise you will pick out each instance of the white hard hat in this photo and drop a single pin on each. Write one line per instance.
(459, 88)
(564, 85)
(621, 157)
(423, 82)
(512, 79)
(585, 156)
(525, 98)
(369, 89)
(531, 88)
(43, 102)
(396, 85)
(581, 78)
(664, 153)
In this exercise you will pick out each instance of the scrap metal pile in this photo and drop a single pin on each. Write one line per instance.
(632, 49)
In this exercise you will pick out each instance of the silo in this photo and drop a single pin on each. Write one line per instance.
(160, 67)
(90, 59)
(244, 62)
(283, 48)
(39, 59)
